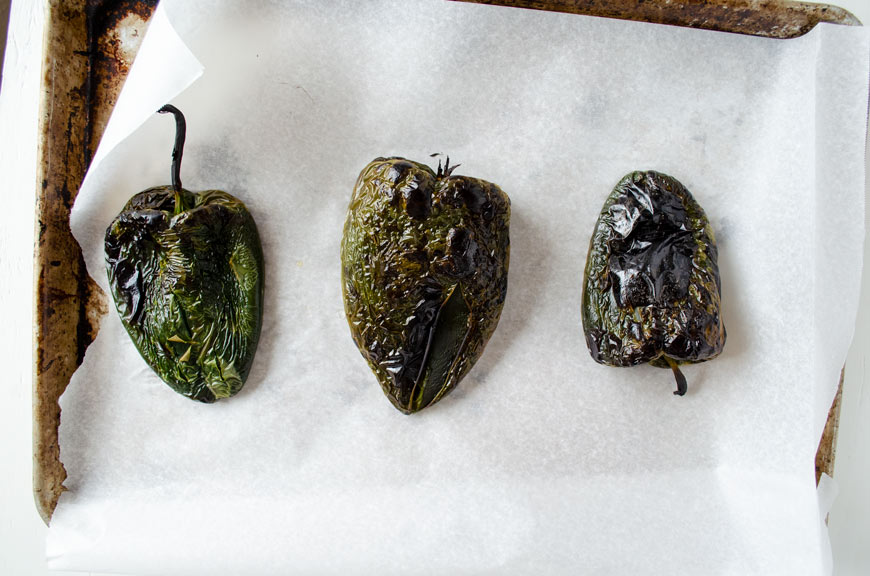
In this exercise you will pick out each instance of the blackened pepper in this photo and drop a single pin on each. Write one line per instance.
(651, 291)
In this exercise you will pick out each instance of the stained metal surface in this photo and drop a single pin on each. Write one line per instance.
(828, 444)
(115, 31)
(768, 18)
(89, 48)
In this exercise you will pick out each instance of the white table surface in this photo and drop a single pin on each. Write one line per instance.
(22, 533)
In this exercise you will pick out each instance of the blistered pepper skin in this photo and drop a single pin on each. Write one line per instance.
(424, 275)
(189, 287)
(651, 290)
(187, 276)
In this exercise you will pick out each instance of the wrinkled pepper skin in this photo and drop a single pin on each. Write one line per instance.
(651, 290)
(424, 275)
(187, 281)
(186, 273)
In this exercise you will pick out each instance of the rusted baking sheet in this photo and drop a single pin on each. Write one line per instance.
(768, 18)
(89, 47)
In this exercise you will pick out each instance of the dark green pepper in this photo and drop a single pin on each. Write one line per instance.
(186, 273)
(651, 290)
(424, 275)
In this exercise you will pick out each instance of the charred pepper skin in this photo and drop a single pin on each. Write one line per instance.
(424, 275)
(651, 290)
(186, 273)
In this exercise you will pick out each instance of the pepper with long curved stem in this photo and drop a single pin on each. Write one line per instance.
(186, 273)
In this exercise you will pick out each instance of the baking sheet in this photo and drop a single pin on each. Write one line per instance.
(541, 459)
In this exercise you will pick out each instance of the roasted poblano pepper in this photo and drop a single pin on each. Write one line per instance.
(186, 273)
(651, 287)
(424, 275)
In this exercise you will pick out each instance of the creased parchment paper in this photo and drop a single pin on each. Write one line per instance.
(542, 461)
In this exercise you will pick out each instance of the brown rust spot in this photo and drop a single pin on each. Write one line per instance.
(115, 31)
(828, 444)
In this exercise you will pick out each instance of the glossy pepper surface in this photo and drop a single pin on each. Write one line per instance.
(186, 273)
(651, 291)
(424, 275)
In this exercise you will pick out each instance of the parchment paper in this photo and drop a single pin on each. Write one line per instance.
(541, 461)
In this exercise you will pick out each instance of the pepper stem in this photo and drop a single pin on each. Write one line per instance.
(177, 150)
(682, 386)
(446, 170)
